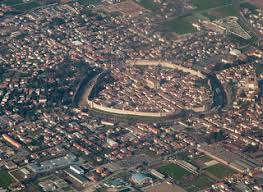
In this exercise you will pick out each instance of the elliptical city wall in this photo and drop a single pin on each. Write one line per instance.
(99, 77)
(167, 64)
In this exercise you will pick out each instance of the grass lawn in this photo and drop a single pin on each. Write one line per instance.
(174, 171)
(180, 25)
(208, 4)
(5, 179)
(149, 4)
(220, 171)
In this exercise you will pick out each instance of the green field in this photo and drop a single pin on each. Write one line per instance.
(202, 182)
(149, 4)
(203, 158)
(220, 171)
(180, 25)
(89, 2)
(208, 4)
(12, 2)
(221, 12)
(174, 171)
(26, 6)
(249, 6)
(259, 69)
(5, 179)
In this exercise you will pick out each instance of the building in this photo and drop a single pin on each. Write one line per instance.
(11, 141)
(52, 164)
(76, 169)
(157, 174)
(77, 178)
(140, 179)
(152, 83)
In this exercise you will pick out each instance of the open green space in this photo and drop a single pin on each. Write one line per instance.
(249, 6)
(180, 25)
(174, 171)
(12, 2)
(208, 4)
(203, 158)
(221, 12)
(200, 183)
(243, 42)
(259, 69)
(149, 4)
(89, 2)
(220, 171)
(26, 6)
(5, 179)
(149, 153)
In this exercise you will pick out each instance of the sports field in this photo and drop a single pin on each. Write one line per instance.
(174, 171)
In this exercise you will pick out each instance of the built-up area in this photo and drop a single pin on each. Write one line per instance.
(48, 55)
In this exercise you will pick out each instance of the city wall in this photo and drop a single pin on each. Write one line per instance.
(166, 64)
(128, 112)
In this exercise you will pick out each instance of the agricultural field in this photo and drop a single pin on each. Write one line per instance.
(174, 171)
(220, 171)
